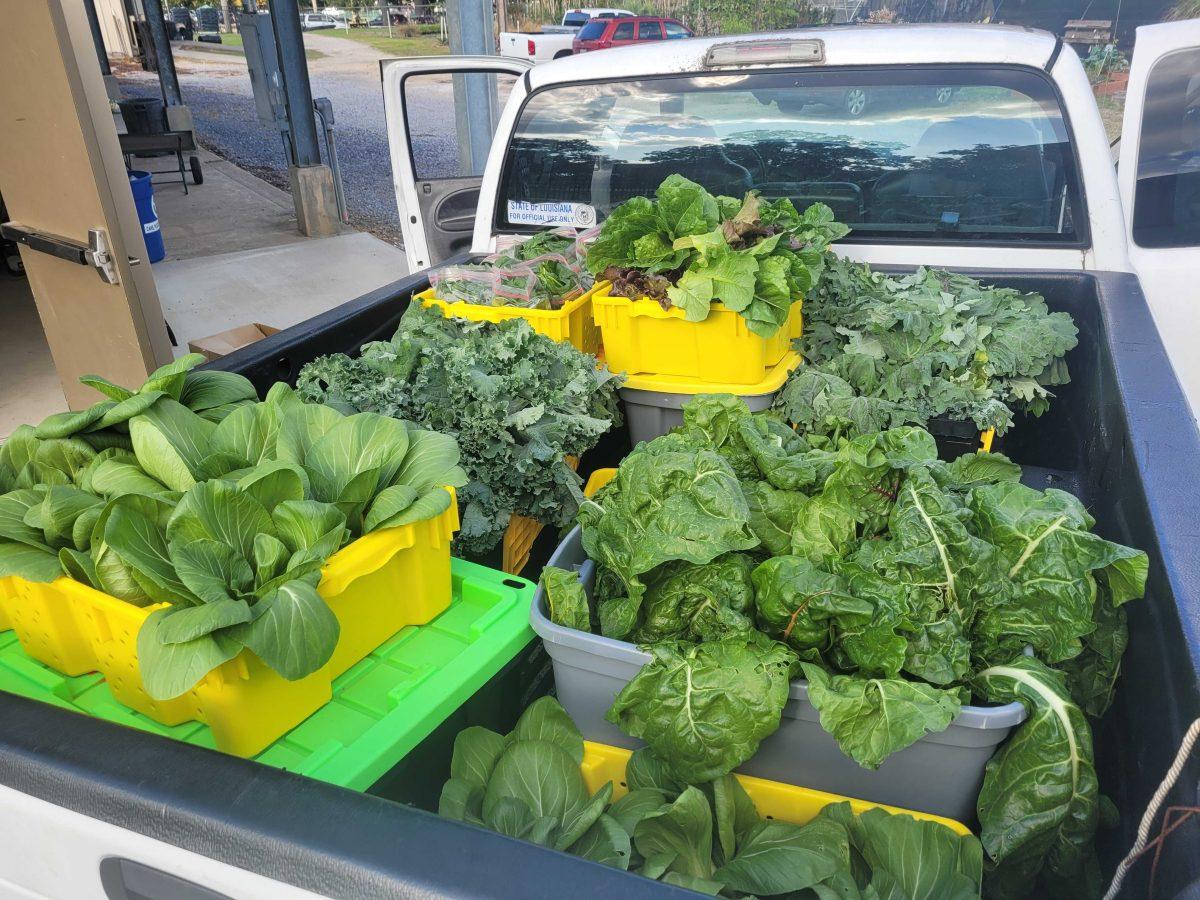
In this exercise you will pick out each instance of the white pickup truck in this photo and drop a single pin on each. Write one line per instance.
(1009, 177)
(553, 41)
(976, 147)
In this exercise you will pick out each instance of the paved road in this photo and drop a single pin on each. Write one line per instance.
(217, 88)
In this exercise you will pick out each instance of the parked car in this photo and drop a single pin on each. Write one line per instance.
(856, 100)
(554, 41)
(603, 34)
(317, 21)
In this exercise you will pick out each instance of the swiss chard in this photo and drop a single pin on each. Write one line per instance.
(704, 708)
(690, 249)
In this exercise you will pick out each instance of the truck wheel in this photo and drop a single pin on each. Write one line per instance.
(561, 53)
(855, 102)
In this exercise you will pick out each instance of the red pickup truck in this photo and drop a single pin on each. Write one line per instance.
(600, 34)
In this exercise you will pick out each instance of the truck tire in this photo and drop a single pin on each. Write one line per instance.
(561, 53)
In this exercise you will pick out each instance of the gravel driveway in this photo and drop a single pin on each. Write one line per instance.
(216, 87)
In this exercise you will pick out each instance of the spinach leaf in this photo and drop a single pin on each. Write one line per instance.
(1047, 556)
(566, 598)
(698, 602)
(704, 708)
(1039, 805)
(663, 505)
(872, 718)
(799, 604)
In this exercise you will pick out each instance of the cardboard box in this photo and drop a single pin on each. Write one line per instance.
(222, 344)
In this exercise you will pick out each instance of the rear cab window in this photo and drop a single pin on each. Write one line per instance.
(593, 30)
(575, 20)
(941, 154)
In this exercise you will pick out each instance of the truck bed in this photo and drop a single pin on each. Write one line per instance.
(1119, 436)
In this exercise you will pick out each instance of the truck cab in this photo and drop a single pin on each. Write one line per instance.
(961, 146)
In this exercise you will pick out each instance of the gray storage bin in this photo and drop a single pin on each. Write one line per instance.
(651, 414)
(940, 774)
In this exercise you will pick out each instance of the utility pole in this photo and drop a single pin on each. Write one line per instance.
(313, 192)
(471, 24)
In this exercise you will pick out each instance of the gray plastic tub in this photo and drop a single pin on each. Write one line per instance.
(940, 774)
(651, 414)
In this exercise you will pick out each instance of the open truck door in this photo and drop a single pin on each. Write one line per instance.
(1159, 178)
(441, 116)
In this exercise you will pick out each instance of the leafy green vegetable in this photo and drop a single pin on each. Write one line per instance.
(542, 272)
(1039, 806)
(1048, 556)
(207, 561)
(516, 403)
(895, 577)
(755, 257)
(566, 598)
(892, 350)
(704, 708)
(699, 602)
(663, 505)
(872, 718)
(707, 837)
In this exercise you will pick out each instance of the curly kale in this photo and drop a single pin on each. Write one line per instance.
(517, 402)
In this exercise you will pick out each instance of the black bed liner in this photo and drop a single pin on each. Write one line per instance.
(1120, 436)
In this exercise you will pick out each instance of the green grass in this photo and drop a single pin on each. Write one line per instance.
(235, 40)
(424, 45)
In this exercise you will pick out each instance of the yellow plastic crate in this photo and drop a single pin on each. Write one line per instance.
(47, 626)
(572, 323)
(774, 800)
(773, 378)
(642, 338)
(8, 586)
(520, 535)
(597, 480)
(379, 584)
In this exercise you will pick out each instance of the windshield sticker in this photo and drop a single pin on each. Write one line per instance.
(522, 212)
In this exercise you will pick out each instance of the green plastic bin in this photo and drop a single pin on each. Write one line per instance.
(381, 708)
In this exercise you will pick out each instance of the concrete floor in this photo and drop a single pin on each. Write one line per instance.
(233, 210)
(234, 256)
(277, 286)
(29, 386)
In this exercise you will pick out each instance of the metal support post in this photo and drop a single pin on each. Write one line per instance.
(470, 25)
(313, 191)
(293, 67)
(167, 77)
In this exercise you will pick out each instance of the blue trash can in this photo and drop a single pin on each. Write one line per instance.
(143, 198)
